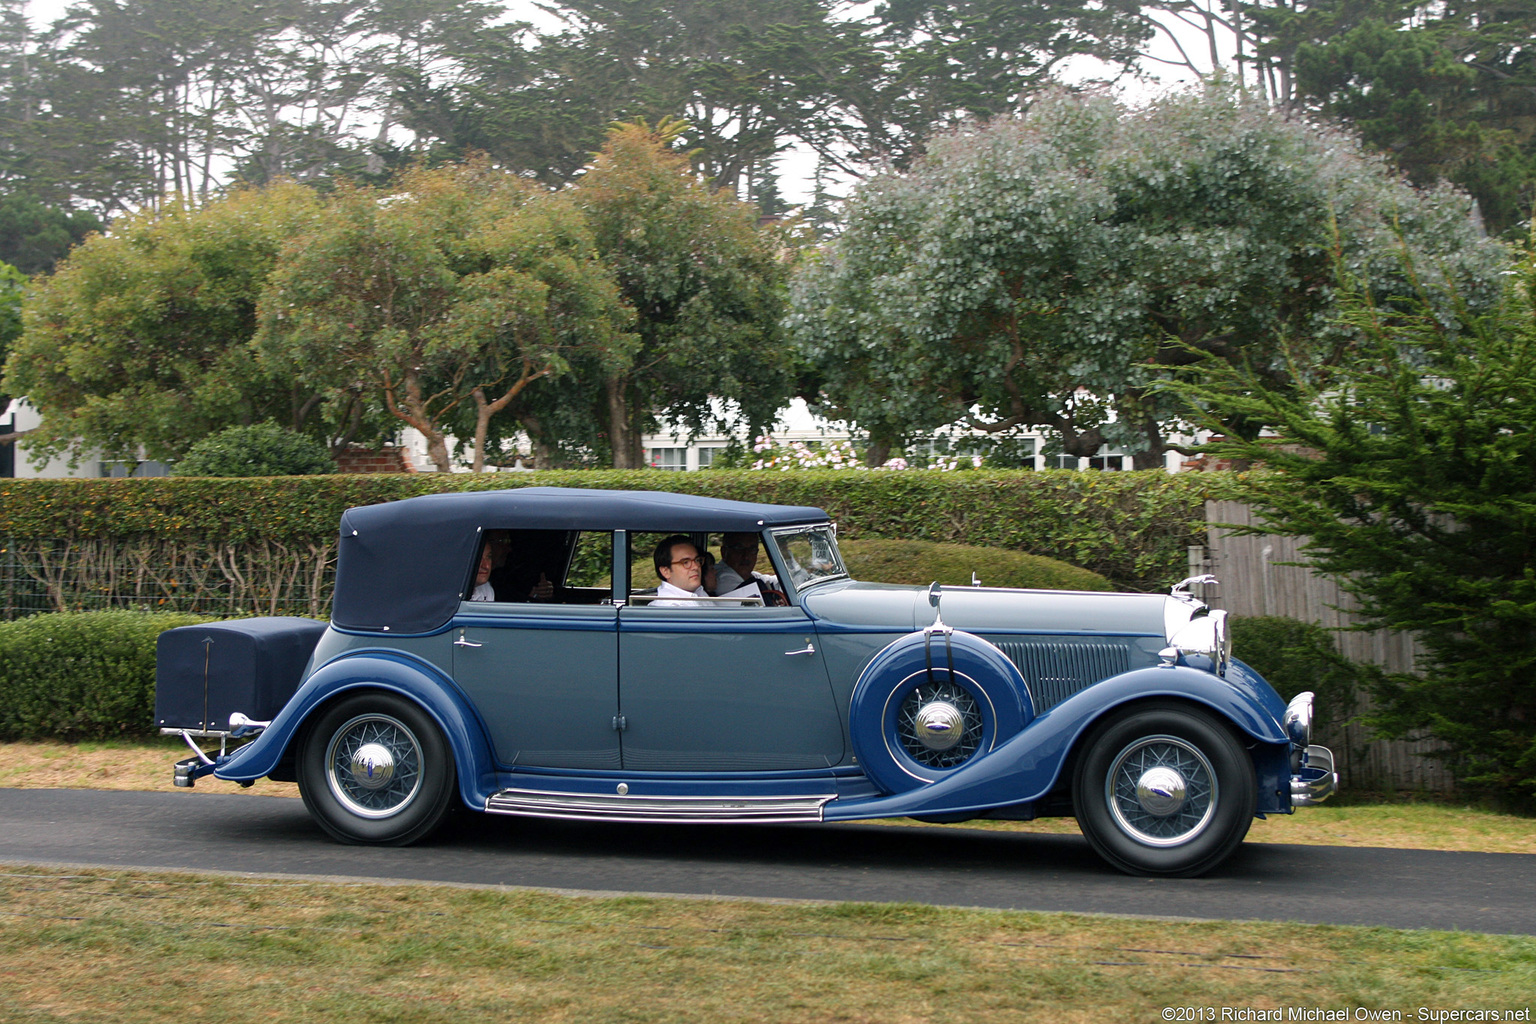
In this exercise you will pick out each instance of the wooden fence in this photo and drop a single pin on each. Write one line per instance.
(1256, 581)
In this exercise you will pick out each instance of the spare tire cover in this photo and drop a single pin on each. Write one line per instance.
(912, 722)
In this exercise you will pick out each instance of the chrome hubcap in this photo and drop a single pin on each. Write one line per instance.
(939, 725)
(1161, 790)
(373, 766)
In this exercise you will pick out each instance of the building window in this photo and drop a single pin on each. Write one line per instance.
(669, 458)
(707, 455)
(1108, 460)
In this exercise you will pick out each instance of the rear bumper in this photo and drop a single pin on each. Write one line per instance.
(1316, 780)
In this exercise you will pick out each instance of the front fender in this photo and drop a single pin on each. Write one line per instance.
(377, 670)
(1026, 767)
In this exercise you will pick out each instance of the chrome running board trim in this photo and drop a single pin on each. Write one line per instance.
(672, 809)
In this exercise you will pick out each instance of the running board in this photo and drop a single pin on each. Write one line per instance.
(673, 809)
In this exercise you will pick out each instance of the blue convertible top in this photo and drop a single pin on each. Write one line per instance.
(402, 565)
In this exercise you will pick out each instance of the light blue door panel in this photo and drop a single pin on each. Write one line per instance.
(544, 678)
(724, 689)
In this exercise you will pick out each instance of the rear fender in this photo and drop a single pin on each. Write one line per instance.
(1026, 767)
(376, 670)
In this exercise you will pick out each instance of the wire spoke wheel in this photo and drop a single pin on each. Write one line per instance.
(1161, 790)
(373, 766)
(939, 725)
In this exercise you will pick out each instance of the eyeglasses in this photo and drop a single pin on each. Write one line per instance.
(688, 563)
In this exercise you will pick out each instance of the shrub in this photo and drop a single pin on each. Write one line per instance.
(1296, 656)
(264, 449)
(923, 562)
(82, 675)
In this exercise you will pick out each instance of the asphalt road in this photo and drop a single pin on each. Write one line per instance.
(210, 831)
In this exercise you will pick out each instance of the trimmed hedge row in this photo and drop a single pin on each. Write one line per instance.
(85, 675)
(1132, 528)
(920, 562)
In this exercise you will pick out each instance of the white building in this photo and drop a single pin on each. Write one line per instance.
(14, 461)
(667, 451)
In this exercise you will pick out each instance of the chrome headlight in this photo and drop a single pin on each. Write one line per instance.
(1206, 632)
(1298, 719)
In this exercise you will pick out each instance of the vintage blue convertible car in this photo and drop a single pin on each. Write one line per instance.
(571, 694)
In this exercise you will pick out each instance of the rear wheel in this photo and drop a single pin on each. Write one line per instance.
(1164, 790)
(375, 768)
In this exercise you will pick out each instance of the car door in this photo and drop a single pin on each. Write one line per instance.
(724, 689)
(544, 676)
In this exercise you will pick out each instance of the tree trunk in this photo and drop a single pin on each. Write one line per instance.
(879, 452)
(437, 451)
(622, 436)
(415, 413)
(543, 452)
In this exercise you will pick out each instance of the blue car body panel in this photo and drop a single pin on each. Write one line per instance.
(379, 669)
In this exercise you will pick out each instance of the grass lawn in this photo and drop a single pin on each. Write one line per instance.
(122, 947)
(147, 947)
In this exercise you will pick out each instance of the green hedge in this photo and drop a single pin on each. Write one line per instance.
(1296, 656)
(1132, 528)
(87, 675)
(922, 562)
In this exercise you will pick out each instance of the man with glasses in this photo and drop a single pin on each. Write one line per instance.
(681, 572)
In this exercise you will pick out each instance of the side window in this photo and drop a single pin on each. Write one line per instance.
(699, 567)
(591, 562)
(530, 566)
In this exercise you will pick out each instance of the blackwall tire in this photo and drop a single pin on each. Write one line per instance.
(911, 723)
(375, 769)
(1164, 789)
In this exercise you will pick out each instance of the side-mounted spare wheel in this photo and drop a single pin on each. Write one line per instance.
(375, 768)
(1164, 789)
(931, 703)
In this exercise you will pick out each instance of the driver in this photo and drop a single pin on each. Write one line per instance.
(738, 559)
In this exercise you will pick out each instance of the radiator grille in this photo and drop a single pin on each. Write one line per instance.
(1055, 670)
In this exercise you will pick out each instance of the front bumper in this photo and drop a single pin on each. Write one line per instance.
(1315, 780)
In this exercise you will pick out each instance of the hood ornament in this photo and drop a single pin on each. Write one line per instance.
(1181, 589)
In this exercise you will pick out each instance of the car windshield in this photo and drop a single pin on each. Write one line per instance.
(810, 554)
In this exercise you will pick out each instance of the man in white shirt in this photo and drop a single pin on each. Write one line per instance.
(483, 590)
(681, 572)
(738, 559)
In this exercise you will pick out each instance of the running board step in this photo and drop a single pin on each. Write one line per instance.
(674, 809)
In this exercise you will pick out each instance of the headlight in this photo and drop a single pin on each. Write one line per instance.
(1298, 719)
(1208, 633)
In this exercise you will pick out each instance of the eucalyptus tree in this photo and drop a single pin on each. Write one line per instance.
(142, 338)
(704, 281)
(444, 298)
(1048, 271)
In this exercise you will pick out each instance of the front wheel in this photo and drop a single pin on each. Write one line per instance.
(1164, 790)
(375, 768)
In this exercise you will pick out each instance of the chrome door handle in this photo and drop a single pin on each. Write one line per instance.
(461, 642)
(810, 648)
